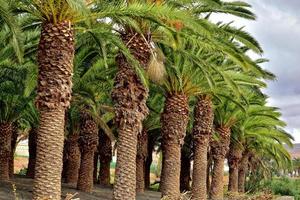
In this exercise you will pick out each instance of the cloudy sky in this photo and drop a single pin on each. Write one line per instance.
(277, 28)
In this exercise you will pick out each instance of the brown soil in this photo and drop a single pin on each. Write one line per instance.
(23, 191)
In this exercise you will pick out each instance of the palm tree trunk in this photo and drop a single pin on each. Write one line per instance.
(95, 172)
(234, 157)
(202, 130)
(209, 169)
(88, 143)
(5, 150)
(85, 179)
(105, 156)
(32, 152)
(243, 168)
(199, 187)
(73, 159)
(129, 95)
(65, 162)
(174, 122)
(55, 59)
(104, 175)
(219, 150)
(216, 190)
(50, 142)
(13, 150)
(142, 149)
(151, 143)
(185, 172)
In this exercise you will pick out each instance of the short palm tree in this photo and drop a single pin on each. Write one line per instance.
(14, 100)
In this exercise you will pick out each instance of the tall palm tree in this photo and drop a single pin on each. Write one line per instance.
(225, 118)
(178, 87)
(55, 61)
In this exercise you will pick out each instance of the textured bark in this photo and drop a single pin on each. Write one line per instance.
(88, 143)
(105, 156)
(142, 149)
(219, 150)
(129, 95)
(216, 190)
(199, 184)
(185, 172)
(95, 172)
(14, 138)
(55, 60)
(48, 168)
(32, 152)
(209, 169)
(202, 131)
(243, 168)
(73, 159)
(234, 157)
(5, 150)
(174, 122)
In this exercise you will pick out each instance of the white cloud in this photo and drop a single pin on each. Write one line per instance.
(278, 30)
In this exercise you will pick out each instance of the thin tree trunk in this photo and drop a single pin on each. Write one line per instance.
(202, 131)
(130, 96)
(149, 161)
(219, 150)
(73, 159)
(243, 168)
(234, 157)
(5, 150)
(142, 149)
(174, 122)
(55, 59)
(88, 143)
(13, 150)
(105, 156)
(32, 152)
(185, 172)
(65, 162)
(209, 169)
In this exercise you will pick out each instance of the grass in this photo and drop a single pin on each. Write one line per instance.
(284, 187)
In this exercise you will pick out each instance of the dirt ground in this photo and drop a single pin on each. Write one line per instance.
(23, 191)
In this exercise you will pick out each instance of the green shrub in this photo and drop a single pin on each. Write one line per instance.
(284, 187)
(22, 171)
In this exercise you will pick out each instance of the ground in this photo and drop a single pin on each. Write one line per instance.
(23, 191)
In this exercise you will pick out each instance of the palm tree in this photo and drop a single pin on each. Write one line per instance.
(260, 123)
(178, 87)
(13, 100)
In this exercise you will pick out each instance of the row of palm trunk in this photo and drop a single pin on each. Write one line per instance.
(54, 94)
(174, 122)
